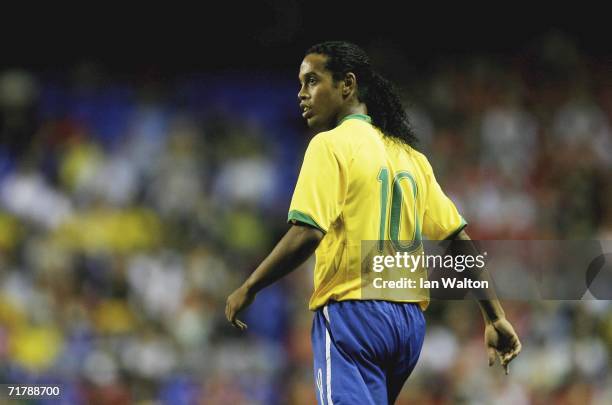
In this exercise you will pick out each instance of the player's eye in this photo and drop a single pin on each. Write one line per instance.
(311, 80)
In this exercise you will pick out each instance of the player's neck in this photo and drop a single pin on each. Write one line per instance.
(358, 109)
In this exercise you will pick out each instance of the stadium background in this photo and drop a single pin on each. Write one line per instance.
(145, 173)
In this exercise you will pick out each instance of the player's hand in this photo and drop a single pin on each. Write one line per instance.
(236, 302)
(501, 340)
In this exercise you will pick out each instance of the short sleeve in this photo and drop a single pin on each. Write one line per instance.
(321, 187)
(441, 220)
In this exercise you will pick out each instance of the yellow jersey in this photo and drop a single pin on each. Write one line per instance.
(357, 185)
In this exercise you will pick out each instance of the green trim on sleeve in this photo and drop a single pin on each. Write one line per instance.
(295, 215)
(456, 232)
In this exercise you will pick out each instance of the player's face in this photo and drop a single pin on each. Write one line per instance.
(320, 98)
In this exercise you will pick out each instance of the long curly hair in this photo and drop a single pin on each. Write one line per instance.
(379, 95)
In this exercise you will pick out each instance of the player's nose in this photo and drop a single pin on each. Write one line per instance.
(302, 94)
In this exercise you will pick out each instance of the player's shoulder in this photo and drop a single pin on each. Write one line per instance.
(319, 141)
(334, 135)
(349, 135)
(336, 139)
(420, 159)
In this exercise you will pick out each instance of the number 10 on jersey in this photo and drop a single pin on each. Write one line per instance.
(400, 202)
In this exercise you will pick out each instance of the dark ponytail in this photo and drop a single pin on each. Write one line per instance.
(379, 95)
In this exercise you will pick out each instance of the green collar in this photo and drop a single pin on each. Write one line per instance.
(362, 117)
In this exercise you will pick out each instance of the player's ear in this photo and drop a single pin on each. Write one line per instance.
(349, 84)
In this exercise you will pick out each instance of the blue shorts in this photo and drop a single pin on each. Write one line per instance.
(365, 350)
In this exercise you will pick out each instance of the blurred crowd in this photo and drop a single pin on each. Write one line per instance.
(129, 209)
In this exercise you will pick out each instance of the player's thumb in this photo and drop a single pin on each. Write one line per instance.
(491, 355)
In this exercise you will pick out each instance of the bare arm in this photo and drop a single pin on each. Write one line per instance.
(500, 337)
(291, 251)
(488, 302)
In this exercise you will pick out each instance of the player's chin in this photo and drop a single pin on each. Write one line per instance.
(315, 123)
(312, 122)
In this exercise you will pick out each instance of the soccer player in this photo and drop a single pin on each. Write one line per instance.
(361, 179)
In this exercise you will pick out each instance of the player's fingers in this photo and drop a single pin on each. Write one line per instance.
(230, 313)
(507, 368)
(239, 324)
(518, 346)
(508, 357)
(514, 342)
(513, 351)
(491, 355)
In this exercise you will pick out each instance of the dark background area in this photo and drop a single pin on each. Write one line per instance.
(274, 34)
